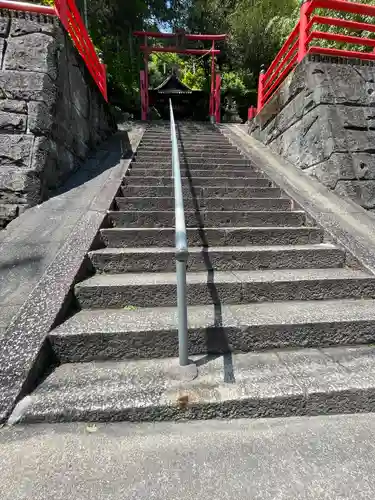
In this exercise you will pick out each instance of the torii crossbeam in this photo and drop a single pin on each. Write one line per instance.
(180, 38)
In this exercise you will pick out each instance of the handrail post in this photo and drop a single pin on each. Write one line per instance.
(262, 77)
(303, 33)
(183, 350)
(181, 248)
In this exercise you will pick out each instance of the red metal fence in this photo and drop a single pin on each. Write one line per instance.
(72, 21)
(299, 42)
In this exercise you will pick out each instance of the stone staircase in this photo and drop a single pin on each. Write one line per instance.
(277, 318)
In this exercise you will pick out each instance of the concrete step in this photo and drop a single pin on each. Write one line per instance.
(191, 140)
(238, 287)
(193, 166)
(191, 143)
(158, 259)
(289, 383)
(183, 134)
(188, 142)
(198, 181)
(161, 237)
(207, 219)
(183, 128)
(209, 156)
(212, 152)
(152, 333)
(187, 136)
(202, 192)
(192, 173)
(157, 148)
(212, 204)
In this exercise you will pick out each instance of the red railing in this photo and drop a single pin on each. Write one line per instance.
(299, 42)
(251, 112)
(72, 21)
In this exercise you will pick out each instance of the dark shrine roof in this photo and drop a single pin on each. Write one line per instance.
(173, 85)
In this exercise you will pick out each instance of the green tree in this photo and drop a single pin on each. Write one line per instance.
(256, 29)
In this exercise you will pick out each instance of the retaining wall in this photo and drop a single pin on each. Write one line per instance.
(322, 119)
(51, 112)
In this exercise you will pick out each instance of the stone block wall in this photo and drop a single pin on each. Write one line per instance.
(51, 111)
(323, 120)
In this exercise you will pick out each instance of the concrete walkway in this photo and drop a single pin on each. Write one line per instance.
(41, 255)
(280, 459)
(32, 241)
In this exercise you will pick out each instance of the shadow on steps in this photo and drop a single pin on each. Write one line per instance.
(216, 336)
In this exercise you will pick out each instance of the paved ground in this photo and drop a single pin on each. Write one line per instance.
(281, 459)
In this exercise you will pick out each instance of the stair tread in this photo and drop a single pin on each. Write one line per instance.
(198, 174)
(202, 218)
(214, 236)
(307, 381)
(263, 276)
(224, 249)
(171, 186)
(199, 181)
(218, 203)
(92, 321)
(202, 192)
(240, 179)
(251, 198)
(221, 228)
(278, 212)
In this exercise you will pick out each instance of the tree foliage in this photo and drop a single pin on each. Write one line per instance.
(256, 29)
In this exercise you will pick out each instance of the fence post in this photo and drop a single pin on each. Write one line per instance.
(303, 34)
(105, 88)
(251, 112)
(262, 77)
(61, 8)
(143, 96)
(218, 99)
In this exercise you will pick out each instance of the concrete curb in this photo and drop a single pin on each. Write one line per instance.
(23, 345)
(344, 222)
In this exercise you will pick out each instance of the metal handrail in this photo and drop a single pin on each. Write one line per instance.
(182, 251)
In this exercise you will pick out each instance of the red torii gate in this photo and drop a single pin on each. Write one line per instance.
(180, 37)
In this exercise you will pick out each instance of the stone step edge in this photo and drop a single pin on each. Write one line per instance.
(115, 260)
(272, 384)
(124, 199)
(257, 181)
(213, 228)
(256, 190)
(89, 334)
(228, 277)
(224, 249)
(260, 213)
(154, 319)
(116, 237)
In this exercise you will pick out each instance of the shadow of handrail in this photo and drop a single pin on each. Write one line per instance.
(217, 342)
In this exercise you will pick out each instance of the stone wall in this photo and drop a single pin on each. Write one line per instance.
(323, 120)
(51, 111)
